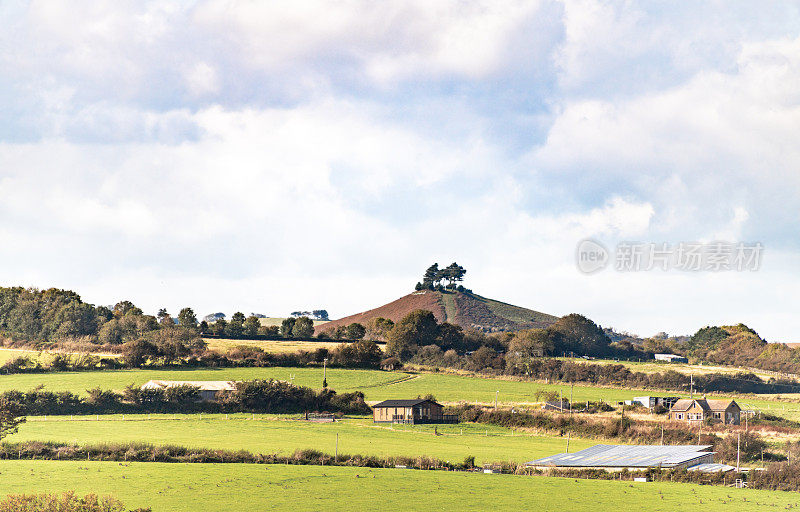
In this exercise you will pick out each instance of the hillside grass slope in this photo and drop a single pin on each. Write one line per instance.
(466, 309)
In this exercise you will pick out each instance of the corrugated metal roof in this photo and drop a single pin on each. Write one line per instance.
(606, 455)
(712, 468)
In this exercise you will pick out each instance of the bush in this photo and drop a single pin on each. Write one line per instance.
(263, 396)
(66, 502)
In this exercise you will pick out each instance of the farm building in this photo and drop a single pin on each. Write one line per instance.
(208, 389)
(619, 457)
(699, 410)
(653, 401)
(670, 358)
(556, 405)
(420, 410)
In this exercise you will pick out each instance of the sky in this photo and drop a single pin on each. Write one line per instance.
(278, 156)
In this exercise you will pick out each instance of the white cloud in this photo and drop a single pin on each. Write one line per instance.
(242, 155)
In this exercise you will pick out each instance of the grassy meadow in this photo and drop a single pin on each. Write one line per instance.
(235, 487)
(377, 385)
(287, 346)
(284, 434)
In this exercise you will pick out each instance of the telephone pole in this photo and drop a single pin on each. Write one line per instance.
(738, 441)
(571, 388)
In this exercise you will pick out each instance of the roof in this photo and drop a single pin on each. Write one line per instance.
(403, 403)
(642, 456)
(204, 385)
(707, 405)
(712, 468)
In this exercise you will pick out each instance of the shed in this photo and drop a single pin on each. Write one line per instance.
(670, 358)
(208, 389)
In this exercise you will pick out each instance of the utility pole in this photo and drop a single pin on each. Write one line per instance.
(325, 373)
(571, 388)
(568, 433)
(738, 440)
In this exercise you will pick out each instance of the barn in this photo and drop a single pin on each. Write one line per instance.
(208, 389)
(619, 457)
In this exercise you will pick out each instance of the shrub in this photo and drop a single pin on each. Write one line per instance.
(66, 502)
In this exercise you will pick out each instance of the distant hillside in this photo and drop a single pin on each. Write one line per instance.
(465, 309)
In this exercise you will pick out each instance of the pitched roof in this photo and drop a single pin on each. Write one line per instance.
(403, 403)
(720, 405)
(204, 385)
(605, 455)
(707, 405)
(682, 404)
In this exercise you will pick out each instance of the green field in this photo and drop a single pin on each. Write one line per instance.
(652, 366)
(287, 346)
(376, 385)
(235, 487)
(285, 434)
(79, 382)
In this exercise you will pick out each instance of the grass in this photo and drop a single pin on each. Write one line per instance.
(651, 366)
(7, 354)
(79, 382)
(285, 434)
(234, 487)
(378, 385)
(271, 346)
(516, 313)
(43, 356)
(449, 306)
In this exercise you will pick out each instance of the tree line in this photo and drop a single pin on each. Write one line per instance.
(256, 396)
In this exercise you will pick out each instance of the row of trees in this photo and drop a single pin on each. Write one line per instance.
(267, 396)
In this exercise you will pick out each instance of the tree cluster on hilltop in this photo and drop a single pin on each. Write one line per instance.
(448, 278)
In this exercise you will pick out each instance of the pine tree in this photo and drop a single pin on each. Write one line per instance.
(431, 275)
